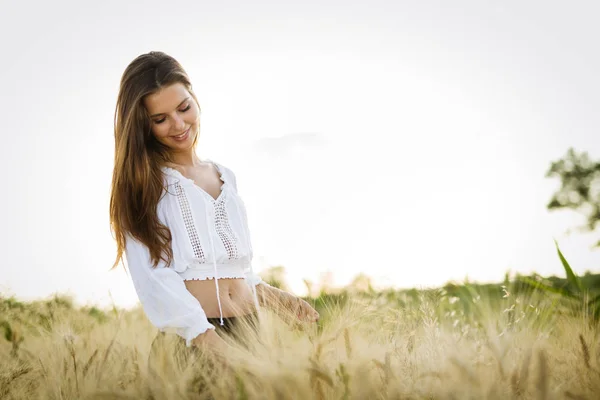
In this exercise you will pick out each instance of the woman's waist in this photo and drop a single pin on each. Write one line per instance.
(235, 295)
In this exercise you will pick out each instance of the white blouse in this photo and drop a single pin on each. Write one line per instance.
(210, 239)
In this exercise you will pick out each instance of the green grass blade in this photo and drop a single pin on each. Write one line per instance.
(547, 288)
(594, 300)
(571, 277)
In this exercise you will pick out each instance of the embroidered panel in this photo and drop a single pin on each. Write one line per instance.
(189, 222)
(224, 230)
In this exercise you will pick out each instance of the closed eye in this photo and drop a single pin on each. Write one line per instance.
(160, 121)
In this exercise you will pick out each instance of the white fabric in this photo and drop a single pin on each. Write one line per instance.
(210, 239)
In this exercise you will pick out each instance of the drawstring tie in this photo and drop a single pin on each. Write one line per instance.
(212, 247)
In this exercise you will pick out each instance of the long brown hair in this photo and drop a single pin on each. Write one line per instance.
(137, 182)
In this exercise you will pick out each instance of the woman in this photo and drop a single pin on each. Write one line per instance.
(178, 219)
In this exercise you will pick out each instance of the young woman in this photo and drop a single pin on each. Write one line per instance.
(179, 219)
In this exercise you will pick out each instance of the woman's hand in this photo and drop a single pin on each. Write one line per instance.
(212, 343)
(219, 352)
(284, 303)
(300, 308)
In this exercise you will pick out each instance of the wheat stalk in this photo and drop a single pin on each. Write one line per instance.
(586, 352)
(542, 383)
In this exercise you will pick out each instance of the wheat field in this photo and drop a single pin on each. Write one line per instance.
(419, 344)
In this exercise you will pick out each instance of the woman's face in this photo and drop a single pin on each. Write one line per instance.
(174, 116)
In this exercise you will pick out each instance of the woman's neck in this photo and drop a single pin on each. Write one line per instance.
(187, 159)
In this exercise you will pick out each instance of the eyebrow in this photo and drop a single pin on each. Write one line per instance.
(179, 105)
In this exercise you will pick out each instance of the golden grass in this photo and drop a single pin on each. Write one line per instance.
(370, 348)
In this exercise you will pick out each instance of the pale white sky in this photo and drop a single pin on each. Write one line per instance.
(405, 140)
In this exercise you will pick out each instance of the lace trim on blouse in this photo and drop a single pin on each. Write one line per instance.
(224, 231)
(209, 278)
(188, 221)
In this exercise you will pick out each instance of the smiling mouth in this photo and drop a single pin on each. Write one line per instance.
(183, 134)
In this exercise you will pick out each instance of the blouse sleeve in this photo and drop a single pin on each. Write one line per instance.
(166, 301)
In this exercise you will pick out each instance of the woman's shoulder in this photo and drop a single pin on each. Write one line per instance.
(170, 174)
(226, 172)
(170, 178)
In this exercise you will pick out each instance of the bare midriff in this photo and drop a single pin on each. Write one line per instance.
(236, 296)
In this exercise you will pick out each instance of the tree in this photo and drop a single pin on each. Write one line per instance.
(580, 187)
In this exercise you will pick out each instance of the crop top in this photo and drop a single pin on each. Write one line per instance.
(210, 239)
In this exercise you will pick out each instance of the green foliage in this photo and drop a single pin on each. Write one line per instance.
(11, 303)
(98, 314)
(580, 186)
(573, 291)
(8, 333)
(13, 336)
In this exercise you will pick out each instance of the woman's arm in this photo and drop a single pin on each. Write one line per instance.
(166, 301)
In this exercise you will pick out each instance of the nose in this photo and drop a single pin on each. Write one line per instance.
(178, 123)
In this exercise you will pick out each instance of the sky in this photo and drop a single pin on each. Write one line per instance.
(408, 141)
